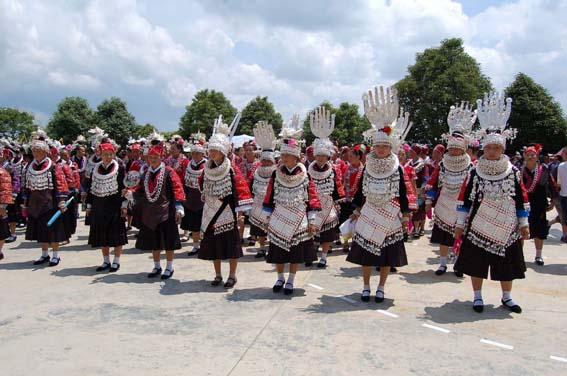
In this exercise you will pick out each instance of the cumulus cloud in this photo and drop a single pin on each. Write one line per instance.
(157, 56)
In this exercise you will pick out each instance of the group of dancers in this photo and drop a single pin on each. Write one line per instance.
(377, 196)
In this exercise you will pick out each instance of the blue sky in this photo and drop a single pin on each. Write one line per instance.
(157, 55)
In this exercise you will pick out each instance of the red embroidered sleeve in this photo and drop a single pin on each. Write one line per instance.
(313, 197)
(69, 177)
(244, 197)
(201, 180)
(60, 181)
(268, 198)
(339, 184)
(5, 187)
(76, 175)
(433, 181)
(178, 192)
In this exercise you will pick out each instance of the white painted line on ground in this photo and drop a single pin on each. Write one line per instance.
(315, 286)
(497, 344)
(443, 330)
(386, 313)
(346, 299)
(558, 358)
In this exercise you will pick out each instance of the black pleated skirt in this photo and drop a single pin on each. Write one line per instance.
(257, 231)
(108, 234)
(442, 237)
(476, 262)
(164, 237)
(299, 254)
(192, 220)
(392, 255)
(328, 236)
(538, 225)
(70, 219)
(223, 246)
(37, 228)
(4, 228)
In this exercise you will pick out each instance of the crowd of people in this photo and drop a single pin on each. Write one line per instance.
(369, 199)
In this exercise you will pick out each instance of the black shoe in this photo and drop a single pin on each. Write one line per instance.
(217, 281)
(514, 308)
(230, 282)
(288, 290)
(167, 274)
(193, 252)
(155, 272)
(308, 264)
(105, 266)
(478, 308)
(338, 242)
(406, 238)
(458, 274)
(114, 268)
(442, 270)
(1, 256)
(421, 233)
(11, 239)
(365, 298)
(42, 260)
(378, 298)
(261, 254)
(322, 263)
(393, 269)
(539, 261)
(278, 286)
(54, 261)
(346, 248)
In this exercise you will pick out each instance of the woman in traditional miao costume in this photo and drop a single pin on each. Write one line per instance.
(381, 199)
(446, 181)
(422, 172)
(225, 194)
(176, 160)
(351, 181)
(292, 203)
(69, 218)
(265, 139)
(191, 222)
(107, 207)
(44, 193)
(536, 180)
(410, 179)
(493, 210)
(327, 179)
(159, 200)
(6, 199)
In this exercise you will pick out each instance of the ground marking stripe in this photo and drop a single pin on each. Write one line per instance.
(497, 344)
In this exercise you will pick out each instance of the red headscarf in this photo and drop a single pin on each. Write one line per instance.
(106, 146)
(155, 150)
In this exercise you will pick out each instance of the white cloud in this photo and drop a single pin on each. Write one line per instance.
(158, 57)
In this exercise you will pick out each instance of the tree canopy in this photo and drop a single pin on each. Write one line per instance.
(16, 124)
(72, 118)
(536, 115)
(113, 117)
(441, 77)
(259, 108)
(205, 107)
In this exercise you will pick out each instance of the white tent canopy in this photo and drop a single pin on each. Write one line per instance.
(239, 140)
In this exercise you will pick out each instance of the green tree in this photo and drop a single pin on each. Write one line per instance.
(441, 77)
(536, 115)
(349, 124)
(205, 107)
(144, 130)
(16, 124)
(72, 118)
(113, 117)
(258, 109)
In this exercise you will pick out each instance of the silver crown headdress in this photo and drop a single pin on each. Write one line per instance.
(322, 124)
(460, 120)
(265, 139)
(493, 114)
(222, 133)
(291, 140)
(390, 124)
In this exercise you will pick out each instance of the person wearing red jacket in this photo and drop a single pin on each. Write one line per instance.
(159, 200)
(225, 193)
(6, 199)
(44, 192)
